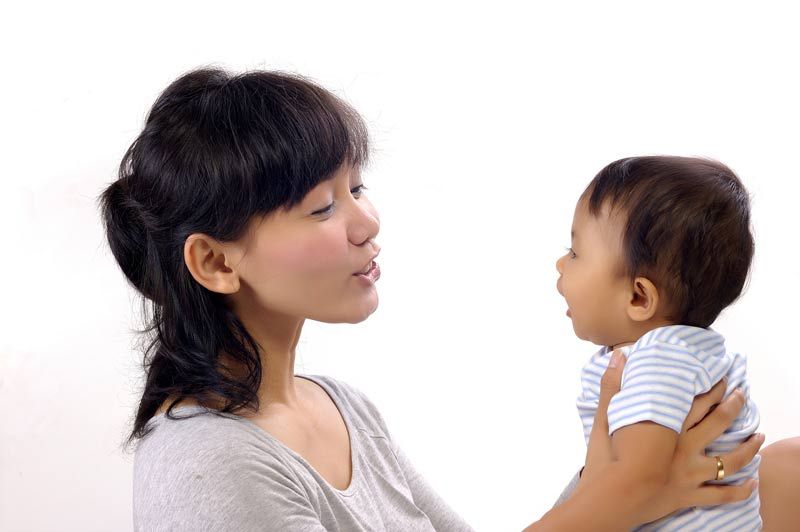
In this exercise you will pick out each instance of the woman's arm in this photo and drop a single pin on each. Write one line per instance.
(778, 478)
(689, 469)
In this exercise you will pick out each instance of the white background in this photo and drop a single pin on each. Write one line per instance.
(487, 123)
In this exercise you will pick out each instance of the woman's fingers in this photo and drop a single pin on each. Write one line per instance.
(742, 455)
(598, 452)
(704, 403)
(611, 381)
(713, 495)
(734, 460)
(709, 429)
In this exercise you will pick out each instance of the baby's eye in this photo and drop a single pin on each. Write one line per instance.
(356, 191)
(571, 252)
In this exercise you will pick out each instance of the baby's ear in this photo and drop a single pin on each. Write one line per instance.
(644, 300)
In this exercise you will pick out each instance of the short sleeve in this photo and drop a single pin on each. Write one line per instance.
(199, 480)
(659, 383)
(567, 492)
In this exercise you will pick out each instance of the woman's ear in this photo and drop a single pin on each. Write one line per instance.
(209, 263)
(644, 300)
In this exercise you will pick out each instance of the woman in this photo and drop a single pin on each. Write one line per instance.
(239, 213)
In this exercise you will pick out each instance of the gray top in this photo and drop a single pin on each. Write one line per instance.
(220, 471)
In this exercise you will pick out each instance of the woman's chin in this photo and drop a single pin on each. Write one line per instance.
(367, 309)
(356, 312)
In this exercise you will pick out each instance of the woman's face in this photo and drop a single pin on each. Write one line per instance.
(317, 259)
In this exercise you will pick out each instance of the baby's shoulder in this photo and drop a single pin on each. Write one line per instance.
(681, 339)
(692, 354)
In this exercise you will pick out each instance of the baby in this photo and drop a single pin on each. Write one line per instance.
(660, 246)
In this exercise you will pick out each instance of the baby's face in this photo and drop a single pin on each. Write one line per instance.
(592, 277)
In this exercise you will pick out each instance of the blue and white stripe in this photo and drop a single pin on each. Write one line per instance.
(665, 369)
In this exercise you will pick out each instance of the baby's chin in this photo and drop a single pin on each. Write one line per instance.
(580, 333)
(598, 340)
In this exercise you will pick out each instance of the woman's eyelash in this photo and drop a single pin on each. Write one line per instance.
(326, 210)
(355, 191)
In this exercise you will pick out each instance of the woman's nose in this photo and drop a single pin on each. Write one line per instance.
(365, 223)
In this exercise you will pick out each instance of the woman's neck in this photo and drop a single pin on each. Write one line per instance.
(277, 337)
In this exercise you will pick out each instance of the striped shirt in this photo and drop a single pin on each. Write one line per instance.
(665, 369)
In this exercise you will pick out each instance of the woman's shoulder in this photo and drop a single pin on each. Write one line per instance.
(196, 438)
(212, 471)
(188, 421)
(204, 451)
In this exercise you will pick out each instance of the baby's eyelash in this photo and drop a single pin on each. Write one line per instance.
(571, 252)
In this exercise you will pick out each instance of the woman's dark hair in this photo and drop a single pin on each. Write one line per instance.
(687, 229)
(216, 150)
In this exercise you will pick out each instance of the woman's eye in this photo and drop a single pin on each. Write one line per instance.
(326, 210)
(356, 192)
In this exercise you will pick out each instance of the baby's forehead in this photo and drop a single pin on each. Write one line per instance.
(607, 217)
(604, 229)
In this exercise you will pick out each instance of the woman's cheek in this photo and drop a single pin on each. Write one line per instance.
(326, 251)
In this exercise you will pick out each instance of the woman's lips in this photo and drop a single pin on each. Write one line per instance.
(372, 274)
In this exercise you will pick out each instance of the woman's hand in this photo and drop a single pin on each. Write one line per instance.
(691, 468)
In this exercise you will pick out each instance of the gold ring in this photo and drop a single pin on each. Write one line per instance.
(720, 469)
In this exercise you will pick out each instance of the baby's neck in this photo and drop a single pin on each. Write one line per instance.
(617, 346)
(640, 330)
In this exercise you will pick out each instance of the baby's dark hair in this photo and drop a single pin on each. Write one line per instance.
(217, 150)
(687, 229)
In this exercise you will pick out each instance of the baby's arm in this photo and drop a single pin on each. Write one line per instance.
(617, 495)
(642, 454)
(623, 490)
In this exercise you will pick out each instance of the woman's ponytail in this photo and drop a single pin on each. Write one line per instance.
(129, 230)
